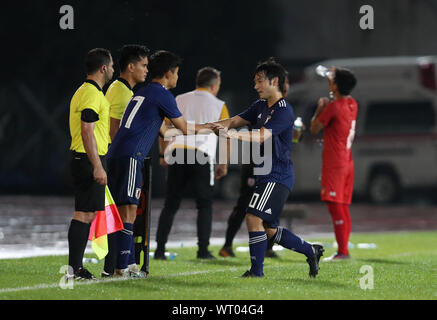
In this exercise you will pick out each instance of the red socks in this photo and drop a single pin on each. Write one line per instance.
(342, 224)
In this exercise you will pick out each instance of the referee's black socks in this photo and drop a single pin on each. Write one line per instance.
(77, 241)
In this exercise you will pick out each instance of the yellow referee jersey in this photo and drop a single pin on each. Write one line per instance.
(89, 96)
(119, 94)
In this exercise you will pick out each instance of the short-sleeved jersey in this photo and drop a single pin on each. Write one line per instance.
(118, 94)
(142, 120)
(339, 119)
(89, 96)
(279, 120)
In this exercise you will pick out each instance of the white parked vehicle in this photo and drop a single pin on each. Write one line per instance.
(395, 147)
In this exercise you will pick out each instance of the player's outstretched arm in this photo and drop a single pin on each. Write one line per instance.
(233, 123)
(257, 136)
(181, 127)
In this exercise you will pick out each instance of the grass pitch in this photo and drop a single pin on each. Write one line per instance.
(403, 266)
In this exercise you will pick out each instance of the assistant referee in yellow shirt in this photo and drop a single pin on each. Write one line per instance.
(89, 129)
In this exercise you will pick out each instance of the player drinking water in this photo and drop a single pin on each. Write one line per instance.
(338, 119)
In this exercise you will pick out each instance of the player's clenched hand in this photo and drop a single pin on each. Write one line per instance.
(216, 127)
(323, 101)
(225, 133)
(100, 175)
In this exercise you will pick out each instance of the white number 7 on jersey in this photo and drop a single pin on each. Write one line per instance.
(139, 100)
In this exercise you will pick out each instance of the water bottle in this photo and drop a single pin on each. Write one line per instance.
(323, 72)
(298, 127)
(171, 255)
(242, 249)
(90, 260)
(366, 246)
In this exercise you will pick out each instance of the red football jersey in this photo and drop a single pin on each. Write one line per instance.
(339, 119)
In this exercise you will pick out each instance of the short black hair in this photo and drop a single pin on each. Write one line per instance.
(206, 77)
(131, 53)
(271, 70)
(286, 79)
(345, 80)
(161, 62)
(96, 58)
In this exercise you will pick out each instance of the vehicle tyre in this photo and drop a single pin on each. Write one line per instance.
(383, 188)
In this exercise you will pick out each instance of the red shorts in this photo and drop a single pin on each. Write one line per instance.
(337, 184)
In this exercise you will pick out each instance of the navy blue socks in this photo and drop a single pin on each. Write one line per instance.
(125, 240)
(131, 259)
(289, 240)
(257, 248)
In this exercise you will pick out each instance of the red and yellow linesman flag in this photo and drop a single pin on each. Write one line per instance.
(104, 223)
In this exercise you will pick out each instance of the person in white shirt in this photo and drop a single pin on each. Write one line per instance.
(190, 159)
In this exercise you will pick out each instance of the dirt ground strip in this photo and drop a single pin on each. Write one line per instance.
(46, 219)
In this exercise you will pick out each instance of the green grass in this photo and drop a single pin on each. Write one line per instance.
(404, 266)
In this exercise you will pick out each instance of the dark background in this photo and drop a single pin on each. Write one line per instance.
(43, 65)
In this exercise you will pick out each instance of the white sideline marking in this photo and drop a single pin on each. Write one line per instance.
(408, 254)
(82, 283)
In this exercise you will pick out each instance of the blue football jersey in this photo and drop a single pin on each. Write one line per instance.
(279, 119)
(142, 120)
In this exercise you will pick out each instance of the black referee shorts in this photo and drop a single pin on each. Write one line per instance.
(89, 196)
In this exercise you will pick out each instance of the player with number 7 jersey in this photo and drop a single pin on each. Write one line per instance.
(141, 122)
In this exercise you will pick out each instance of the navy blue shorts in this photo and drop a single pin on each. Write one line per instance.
(267, 202)
(125, 176)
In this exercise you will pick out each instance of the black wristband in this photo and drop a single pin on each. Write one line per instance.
(161, 155)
